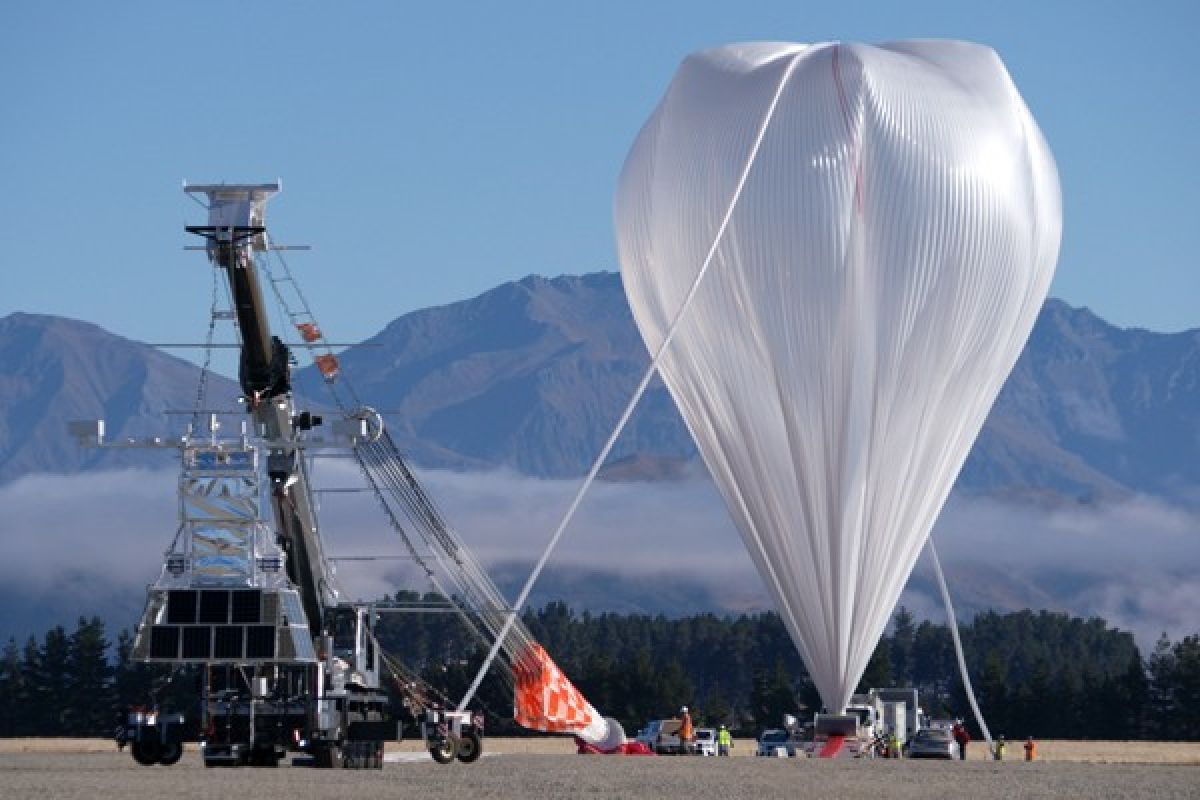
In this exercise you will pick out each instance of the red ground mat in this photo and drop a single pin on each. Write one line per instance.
(833, 746)
(627, 749)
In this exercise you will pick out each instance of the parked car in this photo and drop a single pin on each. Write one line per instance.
(662, 736)
(649, 734)
(774, 738)
(932, 743)
(705, 743)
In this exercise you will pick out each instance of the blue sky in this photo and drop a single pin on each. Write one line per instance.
(431, 151)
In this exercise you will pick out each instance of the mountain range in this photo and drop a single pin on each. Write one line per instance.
(1097, 431)
(532, 374)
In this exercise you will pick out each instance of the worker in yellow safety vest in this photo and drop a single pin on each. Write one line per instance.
(724, 741)
(893, 745)
(998, 754)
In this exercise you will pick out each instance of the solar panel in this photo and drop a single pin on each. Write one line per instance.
(197, 642)
(214, 606)
(181, 607)
(164, 642)
(247, 606)
(227, 643)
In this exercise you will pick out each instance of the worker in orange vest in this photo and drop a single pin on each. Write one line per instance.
(1030, 749)
(686, 732)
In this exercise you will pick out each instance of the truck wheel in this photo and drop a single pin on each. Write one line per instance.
(328, 757)
(443, 753)
(146, 752)
(355, 754)
(470, 747)
(171, 753)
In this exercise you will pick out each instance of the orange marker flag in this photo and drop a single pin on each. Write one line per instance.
(328, 366)
(309, 331)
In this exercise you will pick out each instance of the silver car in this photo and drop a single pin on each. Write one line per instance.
(931, 743)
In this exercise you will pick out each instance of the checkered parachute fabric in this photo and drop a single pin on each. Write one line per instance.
(545, 700)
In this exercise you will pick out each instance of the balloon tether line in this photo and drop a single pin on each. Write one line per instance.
(637, 395)
(958, 649)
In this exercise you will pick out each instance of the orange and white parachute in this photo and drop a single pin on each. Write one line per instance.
(546, 700)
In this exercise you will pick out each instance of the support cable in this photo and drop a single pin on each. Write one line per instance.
(467, 586)
(205, 368)
(958, 649)
(641, 388)
(451, 567)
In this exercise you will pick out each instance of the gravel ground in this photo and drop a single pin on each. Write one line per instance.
(86, 776)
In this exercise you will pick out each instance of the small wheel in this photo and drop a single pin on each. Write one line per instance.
(146, 752)
(171, 753)
(355, 755)
(470, 747)
(443, 753)
(328, 757)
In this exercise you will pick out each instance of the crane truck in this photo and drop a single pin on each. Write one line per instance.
(284, 663)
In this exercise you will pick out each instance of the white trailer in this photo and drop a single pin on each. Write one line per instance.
(914, 716)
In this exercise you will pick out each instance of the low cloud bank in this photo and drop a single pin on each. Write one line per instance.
(74, 544)
(1133, 562)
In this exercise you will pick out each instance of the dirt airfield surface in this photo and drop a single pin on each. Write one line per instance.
(539, 768)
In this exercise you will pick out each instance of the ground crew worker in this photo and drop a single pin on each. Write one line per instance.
(686, 732)
(724, 741)
(963, 738)
(1030, 749)
(999, 754)
(893, 745)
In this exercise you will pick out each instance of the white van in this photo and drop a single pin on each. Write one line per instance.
(706, 742)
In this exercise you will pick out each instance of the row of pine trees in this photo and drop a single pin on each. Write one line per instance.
(1043, 674)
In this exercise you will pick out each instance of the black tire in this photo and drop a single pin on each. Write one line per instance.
(470, 747)
(146, 752)
(171, 753)
(444, 753)
(360, 755)
(328, 757)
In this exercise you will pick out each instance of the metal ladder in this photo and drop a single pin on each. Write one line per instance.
(300, 316)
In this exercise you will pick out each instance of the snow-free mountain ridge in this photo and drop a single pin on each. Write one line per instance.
(531, 376)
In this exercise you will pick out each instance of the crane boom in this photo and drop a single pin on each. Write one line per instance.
(235, 232)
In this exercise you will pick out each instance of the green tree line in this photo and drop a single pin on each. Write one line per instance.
(1043, 674)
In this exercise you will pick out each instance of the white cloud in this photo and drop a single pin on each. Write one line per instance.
(1134, 563)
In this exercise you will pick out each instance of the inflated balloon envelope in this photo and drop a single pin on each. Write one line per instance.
(877, 228)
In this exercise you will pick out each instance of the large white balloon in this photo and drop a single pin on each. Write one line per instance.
(886, 220)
